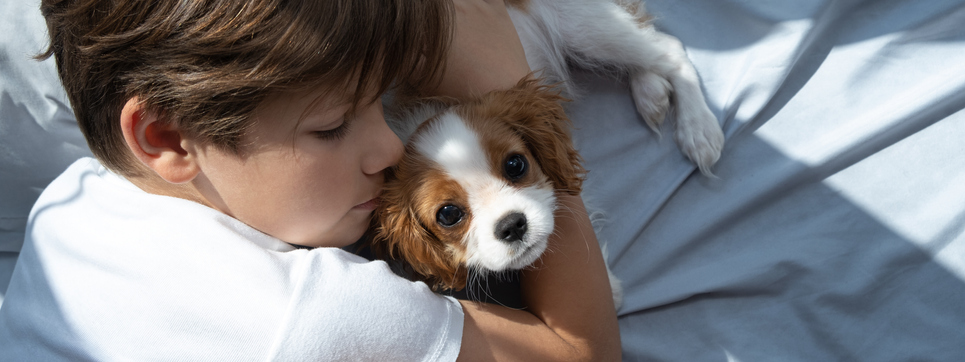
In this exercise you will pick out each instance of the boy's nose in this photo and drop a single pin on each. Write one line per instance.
(385, 149)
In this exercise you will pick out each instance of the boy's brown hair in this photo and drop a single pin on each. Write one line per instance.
(205, 65)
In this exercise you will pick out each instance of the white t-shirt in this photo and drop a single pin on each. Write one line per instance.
(110, 272)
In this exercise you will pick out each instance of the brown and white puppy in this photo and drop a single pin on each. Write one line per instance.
(476, 187)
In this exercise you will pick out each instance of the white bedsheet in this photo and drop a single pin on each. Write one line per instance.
(835, 229)
(833, 233)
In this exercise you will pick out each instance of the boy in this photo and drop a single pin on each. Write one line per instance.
(228, 132)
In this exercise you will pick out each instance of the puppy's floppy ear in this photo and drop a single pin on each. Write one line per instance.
(536, 113)
(399, 234)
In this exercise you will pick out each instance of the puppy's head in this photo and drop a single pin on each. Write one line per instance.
(476, 186)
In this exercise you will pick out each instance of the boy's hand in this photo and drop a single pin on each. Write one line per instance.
(486, 53)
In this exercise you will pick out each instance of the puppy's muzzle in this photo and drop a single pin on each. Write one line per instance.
(511, 227)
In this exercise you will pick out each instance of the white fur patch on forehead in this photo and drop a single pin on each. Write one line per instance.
(453, 146)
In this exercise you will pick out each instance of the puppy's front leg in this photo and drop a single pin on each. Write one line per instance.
(698, 133)
(603, 32)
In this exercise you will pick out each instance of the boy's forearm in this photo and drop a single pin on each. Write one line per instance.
(569, 290)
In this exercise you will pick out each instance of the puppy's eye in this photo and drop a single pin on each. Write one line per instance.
(515, 167)
(449, 215)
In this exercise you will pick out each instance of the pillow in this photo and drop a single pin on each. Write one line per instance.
(39, 137)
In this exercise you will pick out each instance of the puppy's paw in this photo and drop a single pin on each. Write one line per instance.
(651, 95)
(699, 137)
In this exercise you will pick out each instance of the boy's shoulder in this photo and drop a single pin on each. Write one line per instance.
(108, 261)
(88, 202)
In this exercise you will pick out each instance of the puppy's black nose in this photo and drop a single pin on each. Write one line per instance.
(511, 227)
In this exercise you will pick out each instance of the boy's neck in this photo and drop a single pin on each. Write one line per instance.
(153, 184)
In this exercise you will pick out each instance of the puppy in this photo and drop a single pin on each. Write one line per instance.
(475, 190)
(476, 186)
(618, 35)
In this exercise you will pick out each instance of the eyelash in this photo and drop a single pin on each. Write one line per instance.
(334, 134)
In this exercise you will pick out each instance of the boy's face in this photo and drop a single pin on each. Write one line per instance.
(310, 173)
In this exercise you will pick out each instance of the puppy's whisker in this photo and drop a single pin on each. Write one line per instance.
(472, 284)
(479, 291)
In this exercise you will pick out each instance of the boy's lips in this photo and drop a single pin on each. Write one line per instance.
(369, 205)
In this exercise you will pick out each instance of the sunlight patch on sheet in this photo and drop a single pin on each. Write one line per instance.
(845, 116)
(914, 188)
(881, 147)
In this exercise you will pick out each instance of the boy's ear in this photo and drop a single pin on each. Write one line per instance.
(161, 146)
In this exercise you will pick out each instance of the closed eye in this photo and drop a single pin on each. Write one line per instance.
(336, 133)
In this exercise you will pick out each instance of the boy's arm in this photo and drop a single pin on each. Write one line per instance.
(570, 315)
(485, 54)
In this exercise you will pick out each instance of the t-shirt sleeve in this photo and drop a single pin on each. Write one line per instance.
(345, 308)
